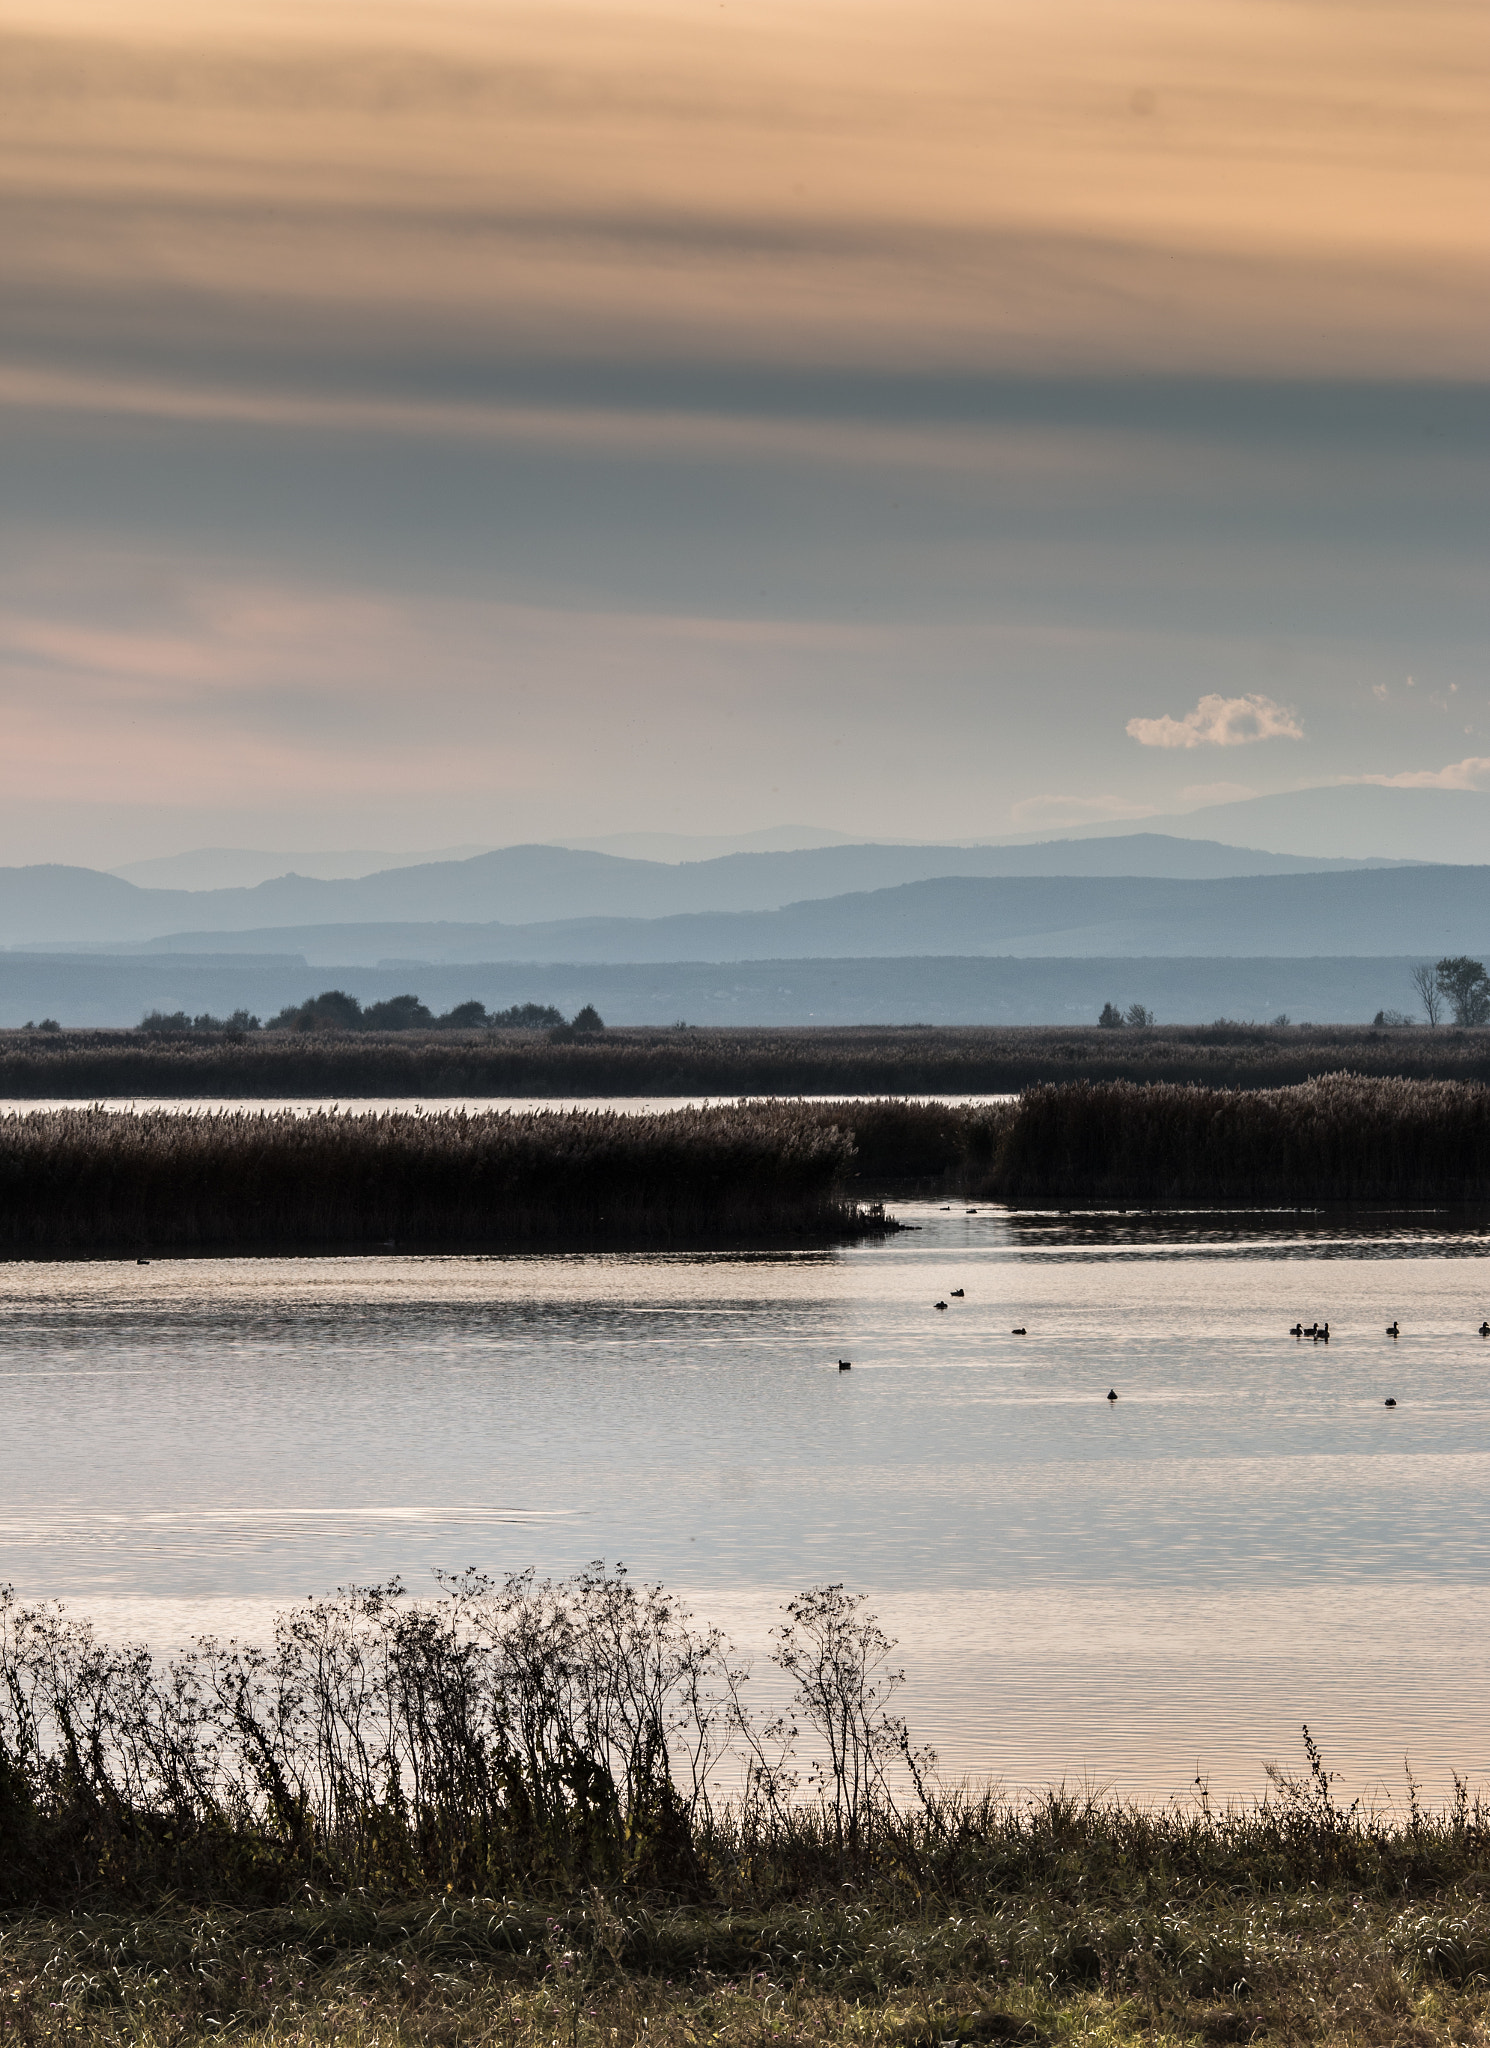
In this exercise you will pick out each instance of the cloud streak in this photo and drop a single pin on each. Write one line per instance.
(1219, 722)
(1471, 773)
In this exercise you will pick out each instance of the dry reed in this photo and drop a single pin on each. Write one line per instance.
(92, 1179)
(1342, 1138)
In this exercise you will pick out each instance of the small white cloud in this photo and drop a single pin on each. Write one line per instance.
(1219, 722)
(1472, 773)
(1216, 792)
(1033, 813)
(1379, 692)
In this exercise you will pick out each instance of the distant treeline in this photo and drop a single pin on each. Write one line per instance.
(833, 1061)
(335, 1010)
(94, 1180)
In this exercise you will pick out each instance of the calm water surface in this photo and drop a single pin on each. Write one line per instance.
(1124, 1591)
(436, 1105)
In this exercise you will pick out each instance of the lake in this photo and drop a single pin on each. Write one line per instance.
(438, 1105)
(1123, 1592)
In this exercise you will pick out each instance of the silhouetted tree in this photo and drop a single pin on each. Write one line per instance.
(1465, 985)
(526, 1017)
(397, 1013)
(1138, 1016)
(332, 1010)
(1111, 1017)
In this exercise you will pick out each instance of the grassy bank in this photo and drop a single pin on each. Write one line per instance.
(85, 1065)
(87, 1180)
(1317, 1964)
(530, 1812)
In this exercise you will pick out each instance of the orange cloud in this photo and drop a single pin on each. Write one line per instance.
(1263, 184)
(1219, 722)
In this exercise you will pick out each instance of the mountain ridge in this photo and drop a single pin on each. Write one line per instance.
(54, 905)
(1359, 912)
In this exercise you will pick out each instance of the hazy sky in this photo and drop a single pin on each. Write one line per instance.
(430, 423)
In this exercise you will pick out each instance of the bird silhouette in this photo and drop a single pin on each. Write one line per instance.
(1020, 1332)
(1297, 1330)
(1392, 1330)
(1112, 1393)
(1485, 1329)
(957, 1294)
(939, 1304)
(845, 1365)
(1389, 1402)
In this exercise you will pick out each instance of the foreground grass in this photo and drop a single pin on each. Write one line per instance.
(1309, 1966)
(273, 1845)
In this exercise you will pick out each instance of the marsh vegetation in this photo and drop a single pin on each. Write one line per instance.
(78, 1180)
(95, 1180)
(529, 1811)
(865, 1060)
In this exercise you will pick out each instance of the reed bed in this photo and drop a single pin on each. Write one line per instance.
(542, 1811)
(96, 1180)
(914, 1060)
(1344, 1138)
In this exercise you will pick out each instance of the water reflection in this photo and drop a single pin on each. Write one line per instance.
(1246, 1539)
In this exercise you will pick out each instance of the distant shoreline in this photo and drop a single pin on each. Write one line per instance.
(830, 1060)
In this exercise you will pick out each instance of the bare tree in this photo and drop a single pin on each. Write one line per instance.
(838, 1658)
(1425, 982)
(1138, 1016)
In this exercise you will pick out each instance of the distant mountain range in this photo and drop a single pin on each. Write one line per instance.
(244, 867)
(1427, 910)
(1349, 819)
(541, 885)
(1333, 824)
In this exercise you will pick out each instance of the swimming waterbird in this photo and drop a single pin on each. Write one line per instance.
(1112, 1393)
(845, 1365)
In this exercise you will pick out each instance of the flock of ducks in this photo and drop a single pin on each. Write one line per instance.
(1318, 1332)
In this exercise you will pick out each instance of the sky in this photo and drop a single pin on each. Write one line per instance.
(429, 424)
